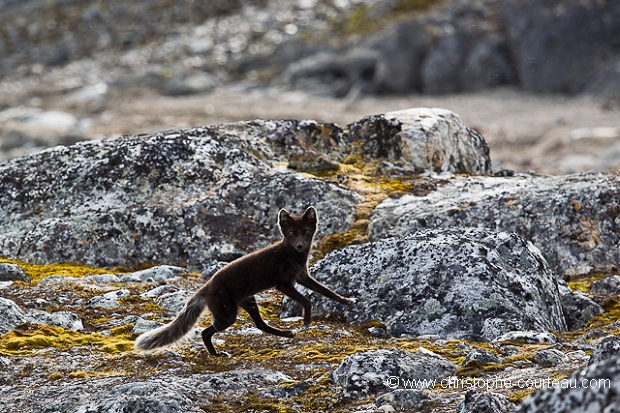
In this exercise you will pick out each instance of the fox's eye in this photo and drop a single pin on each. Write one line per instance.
(291, 233)
(307, 232)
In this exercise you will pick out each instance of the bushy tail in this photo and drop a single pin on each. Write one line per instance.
(176, 330)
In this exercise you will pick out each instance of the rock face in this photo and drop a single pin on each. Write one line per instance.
(562, 59)
(573, 219)
(366, 373)
(595, 388)
(484, 402)
(12, 316)
(193, 197)
(422, 140)
(454, 283)
(180, 197)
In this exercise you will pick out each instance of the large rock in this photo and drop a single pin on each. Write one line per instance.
(412, 140)
(12, 316)
(593, 389)
(182, 197)
(421, 139)
(572, 219)
(549, 54)
(454, 283)
(377, 371)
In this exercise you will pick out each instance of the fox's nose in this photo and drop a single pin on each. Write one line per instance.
(300, 247)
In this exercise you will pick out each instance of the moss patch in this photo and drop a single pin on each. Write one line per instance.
(36, 272)
(28, 337)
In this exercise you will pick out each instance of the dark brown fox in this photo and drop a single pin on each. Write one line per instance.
(280, 265)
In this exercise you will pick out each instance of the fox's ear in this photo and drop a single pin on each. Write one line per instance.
(310, 214)
(284, 219)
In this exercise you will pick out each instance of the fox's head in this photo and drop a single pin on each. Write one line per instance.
(298, 230)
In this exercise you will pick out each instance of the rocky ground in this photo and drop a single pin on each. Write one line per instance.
(485, 268)
(464, 298)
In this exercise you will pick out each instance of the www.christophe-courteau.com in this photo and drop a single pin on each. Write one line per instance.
(492, 383)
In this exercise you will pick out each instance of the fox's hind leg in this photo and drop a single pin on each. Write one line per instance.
(250, 305)
(223, 315)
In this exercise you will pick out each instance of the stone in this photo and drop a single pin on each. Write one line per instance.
(151, 396)
(441, 66)
(456, 283)
(180, 195)
(579, 309)
(607, 348)
(595, 388)
(402, 399)
(328, 73)
(422, 139)
(607, 286)
(549, 357)
(485, 402)
(12, 315)
(12, 272)
(239, 382)
(402, 51)
(481, 356)
(375, 371)
(212, 269)
(142, 326)
(174, 301)
(570, 218)
(32, 127)
(157, 273)
(560, 60)
(530, 337)
(102, 279)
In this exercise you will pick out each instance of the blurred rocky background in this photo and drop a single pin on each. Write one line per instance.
(539, 79)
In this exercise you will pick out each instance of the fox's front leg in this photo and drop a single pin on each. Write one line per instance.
(291, 292)
(307, 281)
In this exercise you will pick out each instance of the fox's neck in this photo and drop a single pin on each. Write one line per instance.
(299, 257)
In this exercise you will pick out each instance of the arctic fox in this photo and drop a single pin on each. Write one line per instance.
(280, 265)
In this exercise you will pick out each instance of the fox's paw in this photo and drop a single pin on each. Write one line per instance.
(222, 354)
(350, 301)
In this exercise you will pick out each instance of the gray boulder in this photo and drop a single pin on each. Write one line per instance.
(157, 273)
(12, 316)
(12, 272)
(240, 382)
(607, 286)
(549, 357)
(485, 402)
(377, 371)
(562, 59)
(481, 356)
(402, 399)
(421, 139)
(572, 219)
(579, 309)
(453, 283)
(607, 348)
(182, 197)
(593, 389)
(413, 140)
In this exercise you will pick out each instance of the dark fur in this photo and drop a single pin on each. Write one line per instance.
(280, 265)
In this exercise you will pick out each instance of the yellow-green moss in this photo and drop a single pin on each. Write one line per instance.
(32, 337)
(78, 375)
(584, 283)
(610, 316)
(38, 271)
(55, 376)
